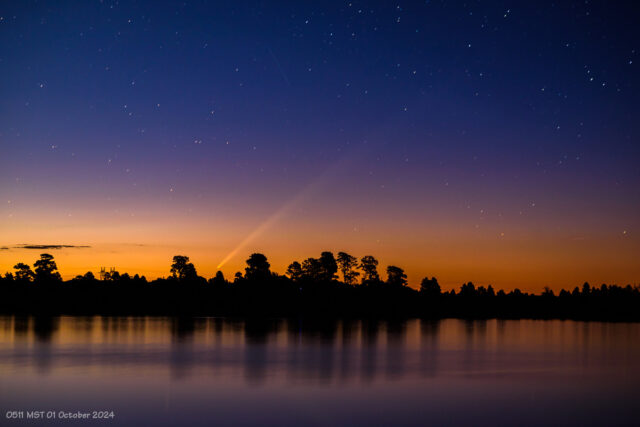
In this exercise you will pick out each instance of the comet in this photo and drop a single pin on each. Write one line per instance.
(286, 207)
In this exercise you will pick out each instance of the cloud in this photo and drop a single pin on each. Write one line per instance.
(4, 248)
(49, 246)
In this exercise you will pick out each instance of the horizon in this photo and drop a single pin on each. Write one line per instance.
(413, 283)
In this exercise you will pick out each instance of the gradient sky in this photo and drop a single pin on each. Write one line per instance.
(490, 141)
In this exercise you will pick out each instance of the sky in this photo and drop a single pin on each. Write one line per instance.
(487, 141)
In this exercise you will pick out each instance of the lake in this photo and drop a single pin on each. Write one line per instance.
(217, 372)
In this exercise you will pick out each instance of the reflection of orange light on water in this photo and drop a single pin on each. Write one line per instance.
(212, 365)
(522, 335)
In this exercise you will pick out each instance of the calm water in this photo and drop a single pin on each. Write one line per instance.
(211, 371)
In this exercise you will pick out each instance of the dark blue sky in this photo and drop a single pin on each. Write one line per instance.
(405, 111)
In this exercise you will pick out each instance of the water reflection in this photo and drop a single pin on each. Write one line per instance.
(541, 361)
(336, 349)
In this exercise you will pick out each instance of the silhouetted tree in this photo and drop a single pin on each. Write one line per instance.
(137, 278)
(328, 266)
(369, 267)
(182, 269)
(219, 280)
(467, 290)
(430, 287)
(312, 269)
(276, 295)
(87, 277)
(46, 269)
(294, 271)
(111, 276)
(257, 267)
(396, 276)
(347, 264)
(23, 272)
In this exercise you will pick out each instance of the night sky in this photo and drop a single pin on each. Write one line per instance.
(489, 141)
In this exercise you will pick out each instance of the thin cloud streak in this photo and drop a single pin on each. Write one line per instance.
(49, 247)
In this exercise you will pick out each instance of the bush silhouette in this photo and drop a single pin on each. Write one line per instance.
(311, 289)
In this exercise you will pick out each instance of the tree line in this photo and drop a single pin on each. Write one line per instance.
(341, 285)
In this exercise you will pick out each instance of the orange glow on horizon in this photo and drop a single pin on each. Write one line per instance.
(530, 250)
(528, 262)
